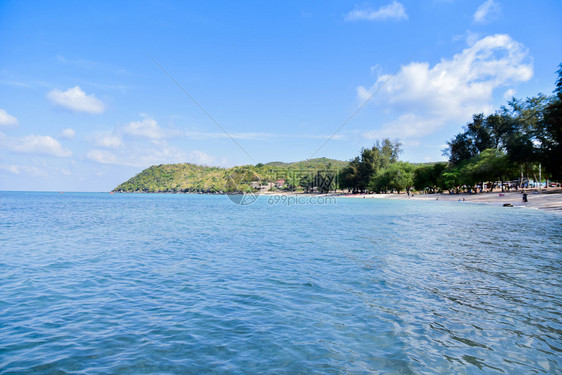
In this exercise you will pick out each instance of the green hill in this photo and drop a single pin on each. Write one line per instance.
(318, 163)
(188, 177)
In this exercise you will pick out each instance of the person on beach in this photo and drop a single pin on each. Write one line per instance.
(525, 197)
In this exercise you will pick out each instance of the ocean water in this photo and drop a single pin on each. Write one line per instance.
(194, 284)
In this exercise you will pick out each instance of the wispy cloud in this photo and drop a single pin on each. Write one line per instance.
(25, 169)
(392, 11)
(486, 11)
(147, 128)
(35, 144)
(14, 169)
(76, 100)
(143, 143)
(429, 97)
(194, 134)
(6, 119)
(67, 134)
(102, 157)
(202, 158)
(252, 136)
(34, 170)
(509, 94)
(468, 36)
(15, 83)
(106, 140)
(91, 64)
(140, 155)
(160, 153)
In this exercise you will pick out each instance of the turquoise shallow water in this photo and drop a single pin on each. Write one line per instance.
(100, 283)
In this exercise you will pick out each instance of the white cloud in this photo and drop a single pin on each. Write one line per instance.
(67, 134)
(254, 136)
(40, 169)
(76, 100)
(14, 169)
(201, 158)
(509, 94)
(194, 134)
(107, 140)
(406, 126)
(26, 169)
(141, 155)
(145, 147)
(486, 11)
(469, 37)
(102, 157)
(428, 97)
(158, 152)
(147, 128)
(6, 119)
(394, 10)
(37, 144)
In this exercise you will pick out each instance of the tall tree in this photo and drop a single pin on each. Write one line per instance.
(500, 128)
(350, 174)
(397, 177)
(479, 133)
(361, 169)
(429, 177)
(461, 148)
(370, 164)
(551, 154)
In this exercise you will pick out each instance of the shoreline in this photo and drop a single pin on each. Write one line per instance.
(548, 200)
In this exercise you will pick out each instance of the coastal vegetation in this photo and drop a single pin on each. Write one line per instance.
(364, 171)
(520, 142)
(190, 178)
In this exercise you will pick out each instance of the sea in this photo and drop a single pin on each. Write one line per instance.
(99, 283)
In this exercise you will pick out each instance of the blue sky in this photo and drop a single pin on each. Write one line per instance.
(84, 106)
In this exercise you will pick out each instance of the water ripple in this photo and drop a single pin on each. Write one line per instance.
(99, 283)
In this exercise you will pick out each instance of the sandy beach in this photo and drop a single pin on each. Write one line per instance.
(547, 199)
(550, 199)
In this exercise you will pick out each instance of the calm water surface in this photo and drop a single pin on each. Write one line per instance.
(100, 283)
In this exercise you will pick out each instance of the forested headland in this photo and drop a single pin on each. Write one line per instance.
(191, 178)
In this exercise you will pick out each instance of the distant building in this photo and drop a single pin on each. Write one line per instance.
(280, 183)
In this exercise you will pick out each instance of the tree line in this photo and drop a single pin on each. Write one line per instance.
(308, 175)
